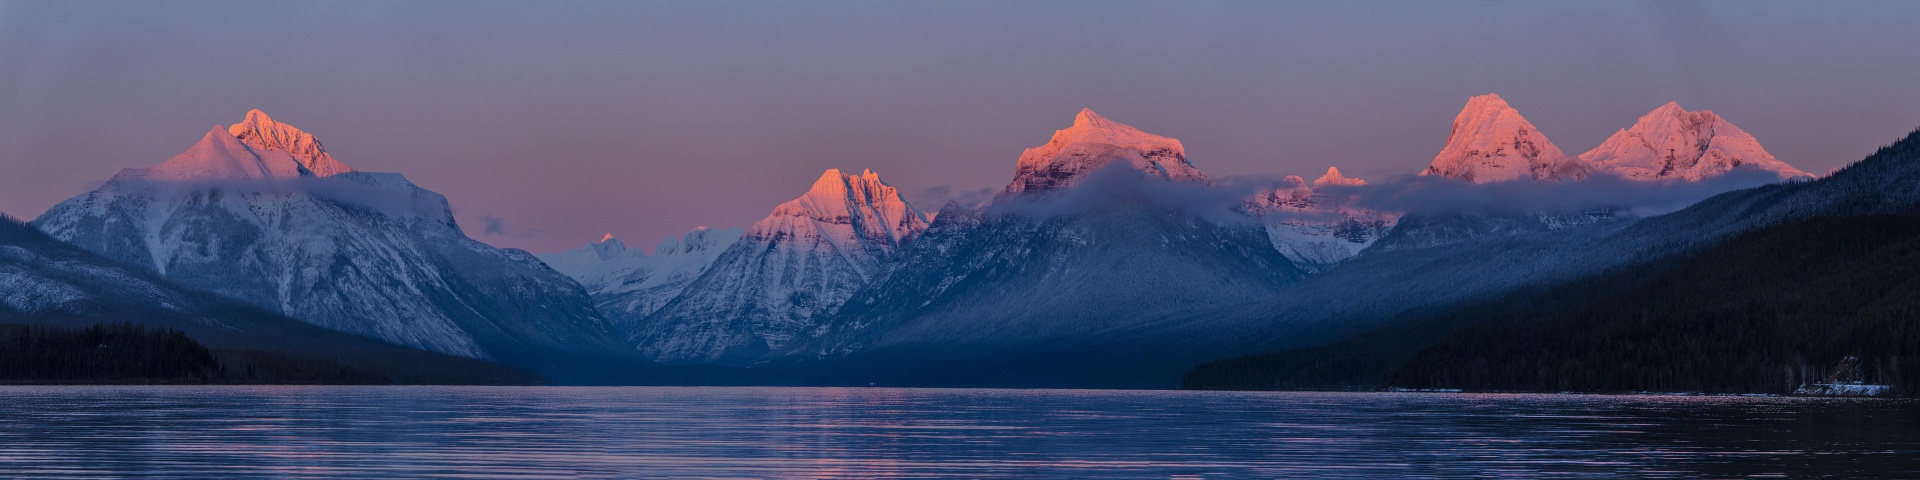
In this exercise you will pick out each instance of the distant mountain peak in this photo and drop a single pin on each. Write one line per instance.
(1671, 143)
(1093, 142)
(1491, 142)
(700, 239)
(1333, 177)
(609, 248)
(262, 133)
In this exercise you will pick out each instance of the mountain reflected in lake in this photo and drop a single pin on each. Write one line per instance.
(863, 432)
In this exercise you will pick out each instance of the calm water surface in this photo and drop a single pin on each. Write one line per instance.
(833, 432)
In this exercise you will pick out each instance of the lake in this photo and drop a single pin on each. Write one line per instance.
(298, 431)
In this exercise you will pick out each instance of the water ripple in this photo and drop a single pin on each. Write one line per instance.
(563, 432)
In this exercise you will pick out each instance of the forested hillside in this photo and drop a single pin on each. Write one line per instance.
(1762, 312)
(116, 353)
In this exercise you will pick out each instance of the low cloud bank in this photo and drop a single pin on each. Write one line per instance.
(934, 198)
(1418, 194)
(1118, 185)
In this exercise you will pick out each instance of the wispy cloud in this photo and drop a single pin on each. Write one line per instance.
(933, 198)
(1119, 185)
(1221, 202)
(493, 225)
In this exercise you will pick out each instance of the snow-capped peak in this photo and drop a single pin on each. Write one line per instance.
(1093, 142)
(262, 133)
(871, 208)
(608, 247)
(1491, 142)
(1673, 143)
(1333, 177)
(220, 156)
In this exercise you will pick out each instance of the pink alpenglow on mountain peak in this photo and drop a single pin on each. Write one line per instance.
(1491, 142)
(264, 134)
(841, 207)
(1094, 142)
(1672, 143)
(1333, 177)
(256, 149)
(220, 156)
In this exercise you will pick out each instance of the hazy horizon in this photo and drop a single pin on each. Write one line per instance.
(557, 123)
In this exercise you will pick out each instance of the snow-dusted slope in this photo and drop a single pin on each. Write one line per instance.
(1672, 143)
(46, 282)
(1090, 144)
(364, 253)
(628, 285)
(1313, 225)
(1491, 142)
(790, 269)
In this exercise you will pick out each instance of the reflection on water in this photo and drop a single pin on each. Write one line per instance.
(835, 432)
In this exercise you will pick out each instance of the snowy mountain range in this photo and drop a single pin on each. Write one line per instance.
(1081, 244)
(850, 269)
(260, 212)
(1491, 142)
(1107, 246)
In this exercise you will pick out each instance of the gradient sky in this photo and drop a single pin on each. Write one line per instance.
(558, 122)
